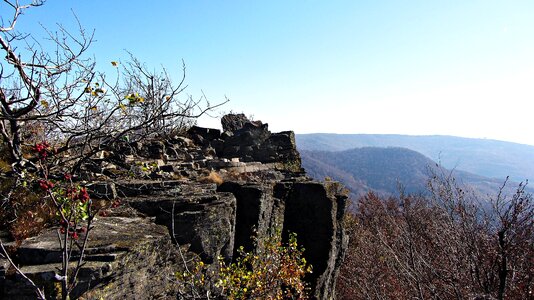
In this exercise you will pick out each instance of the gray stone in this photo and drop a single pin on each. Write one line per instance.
(252, 141)
(218, 145)
(205, 221)
(226, 135)
(233, 122)
(181, 141)
(153, 149)
(202, 136)
(144, 187)
(255, 214)
(102, 190)
(316, 216)
(126, 258)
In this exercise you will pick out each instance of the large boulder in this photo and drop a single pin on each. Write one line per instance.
(233, 122)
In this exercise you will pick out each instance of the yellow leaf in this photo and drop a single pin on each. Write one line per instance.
(44, 103)
(94, 108)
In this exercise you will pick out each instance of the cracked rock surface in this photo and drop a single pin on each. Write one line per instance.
(199, 195)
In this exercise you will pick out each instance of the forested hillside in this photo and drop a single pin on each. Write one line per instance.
(488, 158)
(385, 170)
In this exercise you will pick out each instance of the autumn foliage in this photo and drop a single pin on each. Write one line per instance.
(450, 244)
(274, 271)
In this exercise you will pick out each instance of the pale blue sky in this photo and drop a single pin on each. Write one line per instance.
(461, 68)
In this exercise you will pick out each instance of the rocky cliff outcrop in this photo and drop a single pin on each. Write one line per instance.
(203, 195)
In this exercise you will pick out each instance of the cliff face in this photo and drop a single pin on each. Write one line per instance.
(133, 252)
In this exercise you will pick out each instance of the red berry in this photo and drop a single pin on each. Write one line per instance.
(45, 184)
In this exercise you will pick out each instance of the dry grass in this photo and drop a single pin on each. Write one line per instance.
(27, 212)
(212, 177)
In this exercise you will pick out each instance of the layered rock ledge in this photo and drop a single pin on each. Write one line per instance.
(203, 194)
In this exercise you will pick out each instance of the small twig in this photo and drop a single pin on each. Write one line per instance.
(40, 293)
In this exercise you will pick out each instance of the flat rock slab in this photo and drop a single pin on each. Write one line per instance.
(145, 187)
(109, 235)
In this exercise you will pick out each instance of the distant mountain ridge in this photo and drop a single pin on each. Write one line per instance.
(484, 157)
(370, 168)
(385, 170)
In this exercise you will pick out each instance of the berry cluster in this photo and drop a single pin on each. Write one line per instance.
(83, 195)
(42, 149)
(80, 194)
(74, 233)
(45, 185)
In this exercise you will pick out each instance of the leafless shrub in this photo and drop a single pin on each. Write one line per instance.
(450, 245)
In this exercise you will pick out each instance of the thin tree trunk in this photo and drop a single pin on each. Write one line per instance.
(503, 269)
